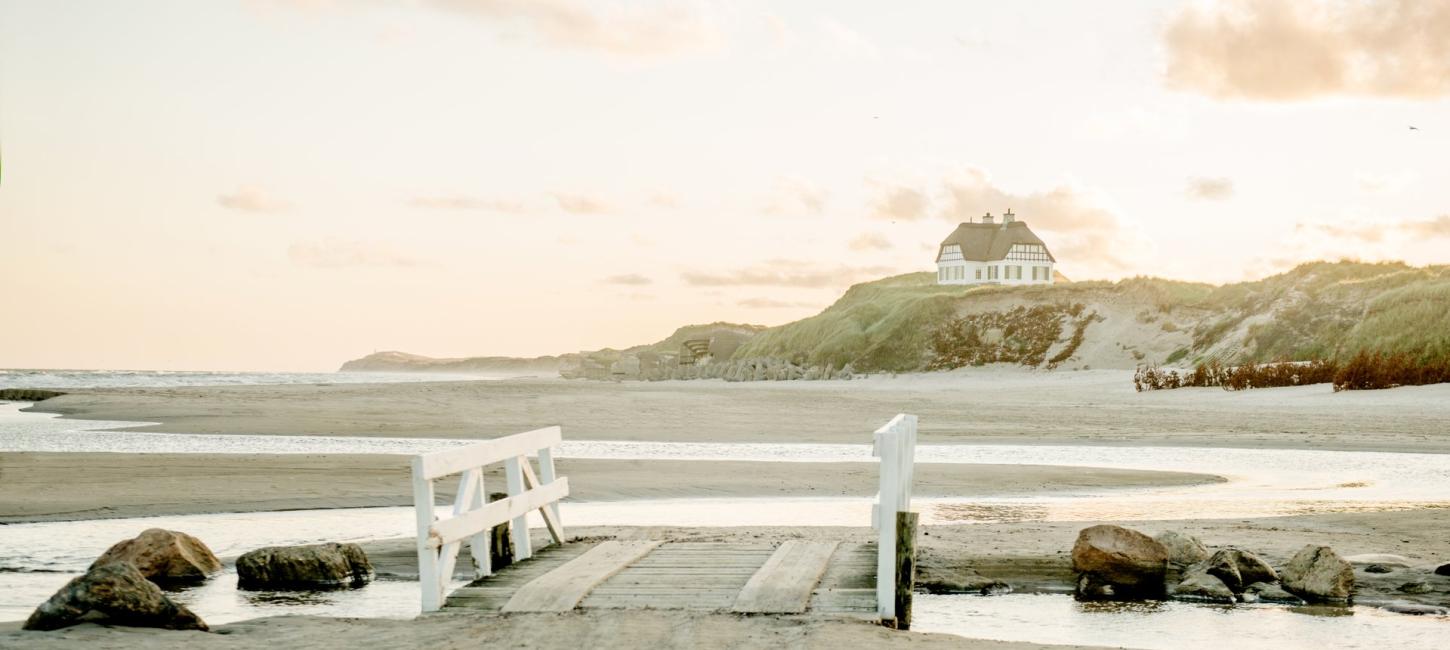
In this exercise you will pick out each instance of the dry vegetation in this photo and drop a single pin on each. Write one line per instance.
(1364, 371)
(1023, 335)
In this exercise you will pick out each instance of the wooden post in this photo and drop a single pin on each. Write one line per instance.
(905, 567)
(427, 557)
(513, 472)
(501, 546)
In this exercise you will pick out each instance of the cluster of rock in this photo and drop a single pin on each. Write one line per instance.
(769, 369)
(645, 367)
(1113, 562)
(124, 585)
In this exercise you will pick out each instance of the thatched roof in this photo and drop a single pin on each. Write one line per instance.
(989, 242)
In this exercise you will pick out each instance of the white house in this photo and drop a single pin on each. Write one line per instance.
(994, 253)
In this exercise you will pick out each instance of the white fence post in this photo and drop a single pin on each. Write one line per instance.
(895, 445)
(473, 516)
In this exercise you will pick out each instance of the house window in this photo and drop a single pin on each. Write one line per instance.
(950, 253)
(1028, 253)
(979, 274)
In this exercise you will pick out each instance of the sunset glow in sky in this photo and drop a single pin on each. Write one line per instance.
(277, 185)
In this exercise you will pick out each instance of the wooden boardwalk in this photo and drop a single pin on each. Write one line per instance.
(793, 577)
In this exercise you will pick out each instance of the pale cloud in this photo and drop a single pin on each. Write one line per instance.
(1280, 50)
(1385, 183)
(666, 200)
(333, 254)
(794, 196)
(251, 199)
(847, 43)
(1210, 189)
(634, 29)
(628, 279)
(787, 273)
(899, 203)
(580, 203)
(1378, 231)
(1137, 123)
(460, 202)
(870, 241)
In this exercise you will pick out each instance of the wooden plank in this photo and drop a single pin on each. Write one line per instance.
(497, 512)
(455, 460)
(784, 584)
(561, 590)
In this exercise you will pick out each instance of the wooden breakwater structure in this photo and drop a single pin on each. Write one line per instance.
(801, 576)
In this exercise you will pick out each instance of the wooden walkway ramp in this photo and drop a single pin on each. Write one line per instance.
(792, 577)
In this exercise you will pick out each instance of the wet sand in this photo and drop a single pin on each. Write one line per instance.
(102, 485)
(623, 629)
(977, 405)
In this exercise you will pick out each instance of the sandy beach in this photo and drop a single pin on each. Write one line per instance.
(980, 405)
(985, 407)
(131, 485)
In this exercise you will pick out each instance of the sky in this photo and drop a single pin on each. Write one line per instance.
(285, 185)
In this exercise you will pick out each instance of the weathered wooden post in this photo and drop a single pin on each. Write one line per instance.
(895, 445)
(501, 545)
(905, 567)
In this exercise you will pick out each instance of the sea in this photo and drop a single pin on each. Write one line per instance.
(77, 379)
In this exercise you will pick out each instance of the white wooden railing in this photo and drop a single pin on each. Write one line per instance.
(895, 445)
(439, 540)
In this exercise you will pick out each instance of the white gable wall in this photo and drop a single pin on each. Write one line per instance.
(1001, 272)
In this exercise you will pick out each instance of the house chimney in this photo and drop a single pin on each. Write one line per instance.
(1008, 217)
(987, 218)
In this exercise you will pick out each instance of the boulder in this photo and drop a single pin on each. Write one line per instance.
(1417, 588)
(1129, 561)
(1239, 568)
(1198, 585)
(316, 566)
(1183, 550)
(112, 594)
(1442, 570)
(1270, 593)
(164, 557)
(1318, 574)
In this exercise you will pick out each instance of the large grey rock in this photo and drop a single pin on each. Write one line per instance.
(1129, 561)
(1318, 574)
(1183, 550)
(1239, 568)
(112, 594)
(164, 557)
(317, 566)
(1442, 570)
(1198, 585)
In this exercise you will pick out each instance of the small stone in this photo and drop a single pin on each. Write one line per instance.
(1377, 568)
(996, 588)
(1416, 588)
(1198, 585)
(1270, 593)
(1442, 570)
(1415, 609)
